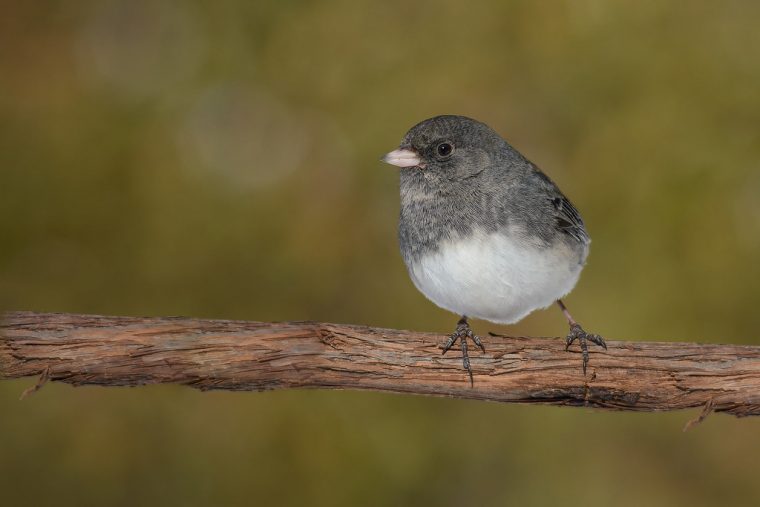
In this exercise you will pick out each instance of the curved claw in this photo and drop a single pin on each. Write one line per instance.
(451, 341)
(475, 338)
(597, 339)
(576, 331)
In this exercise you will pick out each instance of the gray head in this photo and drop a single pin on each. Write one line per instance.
(450, 147)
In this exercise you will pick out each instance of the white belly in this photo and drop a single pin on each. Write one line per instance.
(491, 277)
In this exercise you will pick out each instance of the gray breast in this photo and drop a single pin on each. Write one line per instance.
(433, 211)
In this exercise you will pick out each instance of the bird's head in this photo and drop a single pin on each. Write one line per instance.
(451, 147)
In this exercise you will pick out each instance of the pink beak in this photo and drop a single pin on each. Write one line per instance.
(403, 157)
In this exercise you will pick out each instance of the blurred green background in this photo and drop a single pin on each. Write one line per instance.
(221, 160)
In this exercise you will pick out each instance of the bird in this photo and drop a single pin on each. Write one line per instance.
(483, 232)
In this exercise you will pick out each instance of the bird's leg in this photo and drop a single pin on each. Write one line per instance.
(461, 333)
(577, 333)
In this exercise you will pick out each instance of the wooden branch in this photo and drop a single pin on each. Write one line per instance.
(236, 355)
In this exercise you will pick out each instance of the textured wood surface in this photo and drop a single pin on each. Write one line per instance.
(255, 356)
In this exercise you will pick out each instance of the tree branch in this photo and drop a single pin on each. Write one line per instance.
(237, 355)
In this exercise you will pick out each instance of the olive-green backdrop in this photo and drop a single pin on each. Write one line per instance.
(221, 160)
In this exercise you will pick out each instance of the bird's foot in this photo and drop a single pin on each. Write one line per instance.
(462, 333)
(577, 333)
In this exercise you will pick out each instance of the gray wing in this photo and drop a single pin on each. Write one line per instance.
(569, 221)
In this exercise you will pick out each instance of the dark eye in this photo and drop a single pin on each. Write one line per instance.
(444, 149)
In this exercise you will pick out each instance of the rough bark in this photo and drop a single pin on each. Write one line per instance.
(255, 356)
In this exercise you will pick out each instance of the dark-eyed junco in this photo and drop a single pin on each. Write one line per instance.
(483, 232)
